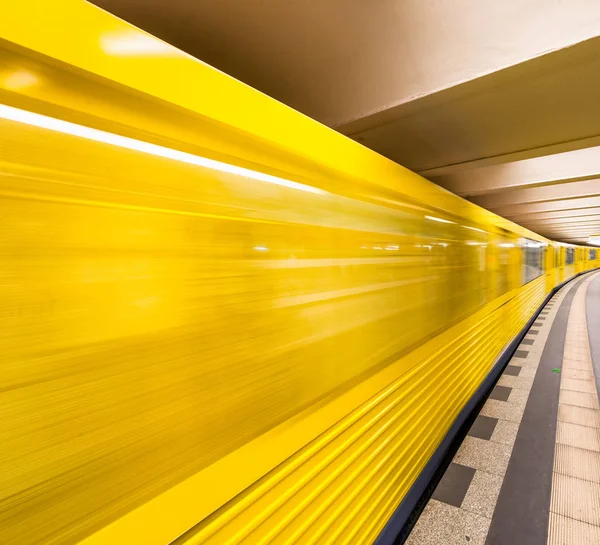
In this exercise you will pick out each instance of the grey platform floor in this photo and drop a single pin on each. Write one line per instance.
(528, 472)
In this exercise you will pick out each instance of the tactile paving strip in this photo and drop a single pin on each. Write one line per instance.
(575, 506)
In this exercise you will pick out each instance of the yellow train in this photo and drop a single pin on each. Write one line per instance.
(221, 322)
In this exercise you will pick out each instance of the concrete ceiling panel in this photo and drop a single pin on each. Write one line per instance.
(527, 109)
(343, 60)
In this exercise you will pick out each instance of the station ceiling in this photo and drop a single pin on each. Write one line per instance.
(495, 101)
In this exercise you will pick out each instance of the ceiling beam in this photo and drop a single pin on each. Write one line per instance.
(518, 210)
(585, 231)
(570, 166)
(551, 149)
(544, 225)
(561, 214)
(565, 219)
(587, 188)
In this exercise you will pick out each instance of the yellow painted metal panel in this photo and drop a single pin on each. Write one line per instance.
(206, 308)
(343, 487)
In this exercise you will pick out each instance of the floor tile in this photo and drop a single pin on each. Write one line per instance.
(578, 436)
(566, 531)
(577, 462)
(483, 427)
(484, 455)
(576, 351)
(520, 383)
(453, 486)
(442, 524)
(513, 370)
(586, 386)
(579, 399)
(578, 374)
(518, 397)
(483, 494)
(579, 415)
(521, 354)
(570, 363)
(500, 393)
(529, 371)
(505, 432)
(502, 411)
(576, 499)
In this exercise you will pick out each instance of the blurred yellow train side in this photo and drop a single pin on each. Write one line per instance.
(222, 322)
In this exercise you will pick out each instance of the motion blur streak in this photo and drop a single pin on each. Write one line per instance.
(45, 122)
(190, 355)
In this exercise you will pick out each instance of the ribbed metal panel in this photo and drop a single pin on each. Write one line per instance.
(343, 487)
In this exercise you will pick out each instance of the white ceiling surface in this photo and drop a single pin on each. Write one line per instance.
(468, 93)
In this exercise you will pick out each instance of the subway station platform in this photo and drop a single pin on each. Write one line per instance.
(528, 471)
